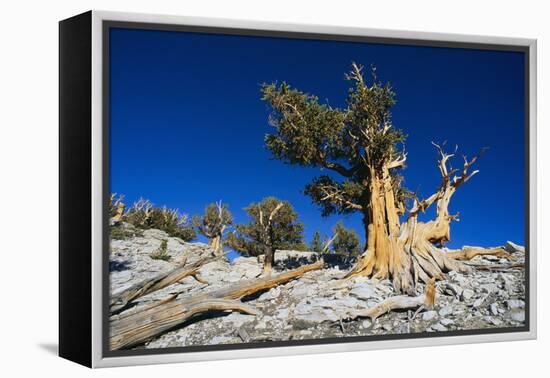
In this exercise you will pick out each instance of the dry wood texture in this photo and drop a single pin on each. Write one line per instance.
(401, 302)
(121, 299)
(408, 252)
(127, 331)
(468, 253)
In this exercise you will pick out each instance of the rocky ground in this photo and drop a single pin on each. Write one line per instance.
(318, 304)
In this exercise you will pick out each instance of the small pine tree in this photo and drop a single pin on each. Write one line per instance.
(143, 214)
(273, 225)
(346, 242)
(116, 206)
(213, 223)
(316, 245)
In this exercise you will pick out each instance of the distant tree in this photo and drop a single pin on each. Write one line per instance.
(316, 244)
(346, 241)
(143, 214)
(273, 225)
(116, 207)
(213, 223)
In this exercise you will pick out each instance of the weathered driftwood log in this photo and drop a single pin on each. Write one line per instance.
(127, 331)
(121, 299)
(144, 307)
(401, 302)
(498, 267)
(468, 253)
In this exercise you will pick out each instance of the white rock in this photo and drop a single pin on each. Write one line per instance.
(271, 294)
(220, 339)
(155, 234)
(283, 313)
(302, 290)
(515, 303)
(260, 325)
(429, 315)
(494, 321)
(517, 315)
(363, 292)
(319, 315)
(478, 302)
(453, 289)
(447, 310)
(488, 288)
(238, 319)
(494, 309)
(467, 294)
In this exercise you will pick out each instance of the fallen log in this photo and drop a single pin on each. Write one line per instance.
(120, 300)
(138, 327)
(468, 253)
(400, 302)
(498, 267)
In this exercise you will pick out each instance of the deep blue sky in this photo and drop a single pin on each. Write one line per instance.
(187, 123)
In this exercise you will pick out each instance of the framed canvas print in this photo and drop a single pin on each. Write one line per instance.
(233, 189)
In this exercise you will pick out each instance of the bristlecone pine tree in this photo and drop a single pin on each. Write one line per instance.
(116, 207)
(346, 241)
(360, 144)
(273, 225)
(316, 244)
(213, 223)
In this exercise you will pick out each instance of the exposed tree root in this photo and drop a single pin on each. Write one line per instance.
(127, 331)
(401, 302)
(121, 299)
(408, 252)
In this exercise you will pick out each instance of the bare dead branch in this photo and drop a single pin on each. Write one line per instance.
(127, 331)
(401, 302)
(121, 299)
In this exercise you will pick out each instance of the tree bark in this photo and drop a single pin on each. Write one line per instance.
(407, 252)
(134, 329)
(121, 299)
(401, 302)
(269, 260)
(216, 243)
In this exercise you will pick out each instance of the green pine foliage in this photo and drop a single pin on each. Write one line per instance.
(316, 244)
(144, 215)
(252, 239)
(347, 241)
(214, 221)
(354, 141)
(161, 253)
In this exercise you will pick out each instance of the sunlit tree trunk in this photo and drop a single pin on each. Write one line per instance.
(410, 252)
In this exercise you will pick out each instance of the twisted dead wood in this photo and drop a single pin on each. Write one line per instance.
(134, 329)
(400, 302)
(468, 253)
(121, 299)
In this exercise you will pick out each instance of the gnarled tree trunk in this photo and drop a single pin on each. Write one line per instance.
(410, 252)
